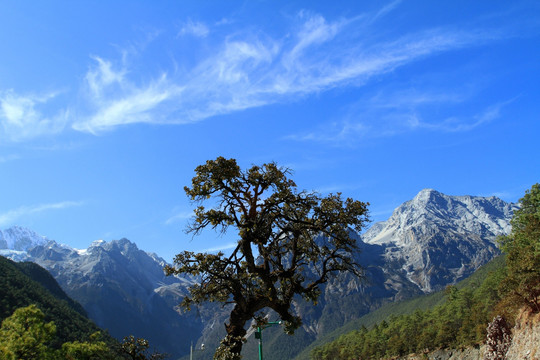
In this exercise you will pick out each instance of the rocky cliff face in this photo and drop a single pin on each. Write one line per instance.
(525, 337)
(439, 239)
(525, 344)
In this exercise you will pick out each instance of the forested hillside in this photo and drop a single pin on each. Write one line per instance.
(460, 320)
(21, 285)
(39, 319)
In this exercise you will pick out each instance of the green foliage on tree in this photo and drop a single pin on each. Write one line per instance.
(25, 335)
(139, 349)
(522, 247)
(94, 349)
(289, 243)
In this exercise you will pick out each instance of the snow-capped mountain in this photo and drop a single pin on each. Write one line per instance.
(20, 239)
(15, 241)
(439, 239)
(429, 242)
(484, 216)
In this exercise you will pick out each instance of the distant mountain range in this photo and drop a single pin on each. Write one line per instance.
(429, 242)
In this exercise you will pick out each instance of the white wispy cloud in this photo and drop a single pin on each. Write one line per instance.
(21, 118)
(463, 123)
(228, 246)
(194, 28)
(247, 69)
(113, 100)
(254, 70)
(7, 158)
(401, 111)
(179, 217)
(103, 76)
(11, 216)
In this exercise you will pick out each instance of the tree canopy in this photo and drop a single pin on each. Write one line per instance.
(522, 248)
(24, 335)
(289, 243)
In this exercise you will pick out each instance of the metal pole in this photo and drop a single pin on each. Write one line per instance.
(259, 330)
(191, 351)
(258, 334)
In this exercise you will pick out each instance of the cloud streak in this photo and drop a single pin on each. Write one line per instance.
(398, 112)
(250, 71)
(194, 28)
(21, 118)
(179, 217)
(11, 216)
(7, 158)
(247, 69)
(216, 249)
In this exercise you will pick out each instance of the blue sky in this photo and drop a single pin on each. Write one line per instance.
(107, 107)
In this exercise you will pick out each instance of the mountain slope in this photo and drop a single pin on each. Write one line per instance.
(21, 285)
(124, 290)
(409, 306)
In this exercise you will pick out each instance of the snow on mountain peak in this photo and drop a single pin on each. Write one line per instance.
(426, 194)
(97, 243)
(486, 216)
(440, 234)
(20, 239)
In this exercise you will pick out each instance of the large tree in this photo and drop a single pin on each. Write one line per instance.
(289, 243)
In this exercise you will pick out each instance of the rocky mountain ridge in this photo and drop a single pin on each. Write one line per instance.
(458, 232)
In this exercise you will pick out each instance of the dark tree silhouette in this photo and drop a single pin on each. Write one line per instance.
(289, 243)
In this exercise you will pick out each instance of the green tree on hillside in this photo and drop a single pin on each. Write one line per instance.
(281, 233)
(522, 247)
(139, 349)
(94, 349)
(25, 335)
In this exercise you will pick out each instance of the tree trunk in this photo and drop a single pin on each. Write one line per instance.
(231, 346)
